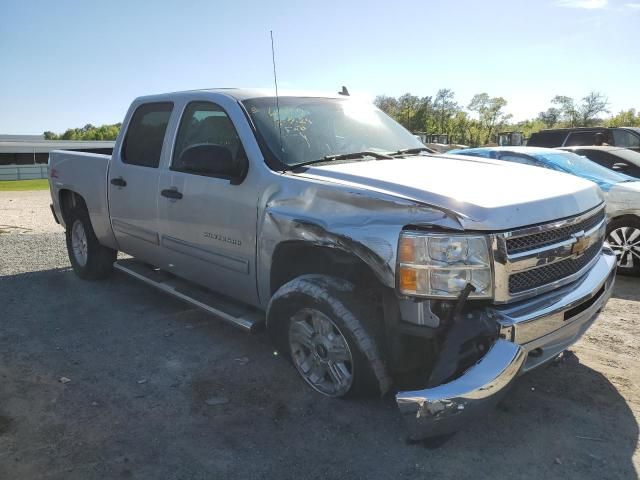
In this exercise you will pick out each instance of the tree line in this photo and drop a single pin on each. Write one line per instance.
(480, 121)
(88, 132)
(477, 123)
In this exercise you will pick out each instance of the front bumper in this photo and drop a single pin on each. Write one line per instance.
(531, 333)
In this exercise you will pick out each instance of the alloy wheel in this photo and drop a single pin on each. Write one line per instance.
(625, 242)
(79, 243)
(320, 352)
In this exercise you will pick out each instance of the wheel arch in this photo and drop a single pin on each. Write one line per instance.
(623, 216)
(294, 258)
(70, 199)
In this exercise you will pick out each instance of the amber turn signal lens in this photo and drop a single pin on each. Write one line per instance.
(408, 279)
(406, 252)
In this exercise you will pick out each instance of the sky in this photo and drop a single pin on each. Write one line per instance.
(67, 63)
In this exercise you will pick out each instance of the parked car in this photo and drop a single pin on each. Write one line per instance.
(619, 159)
(621, 191)
(625, 137)
(320, 218)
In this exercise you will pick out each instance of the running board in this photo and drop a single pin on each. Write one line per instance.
(235, 313)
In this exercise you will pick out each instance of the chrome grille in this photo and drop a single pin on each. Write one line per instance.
(552, 272)
(543, 239)
(534, 260)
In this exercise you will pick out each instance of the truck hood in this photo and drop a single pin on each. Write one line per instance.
(484, 194)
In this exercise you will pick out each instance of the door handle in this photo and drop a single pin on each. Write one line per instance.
(119, 182)
(171, 193)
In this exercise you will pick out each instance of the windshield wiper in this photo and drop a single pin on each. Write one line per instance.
(345, 156)
(409, 151)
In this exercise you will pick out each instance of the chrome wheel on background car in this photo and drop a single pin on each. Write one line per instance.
(79, 243)
(625, 242)
(320, 352)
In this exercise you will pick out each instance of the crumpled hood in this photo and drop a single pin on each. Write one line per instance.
(623, 198)
(485, 194)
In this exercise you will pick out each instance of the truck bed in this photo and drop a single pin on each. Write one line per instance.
(87, 175)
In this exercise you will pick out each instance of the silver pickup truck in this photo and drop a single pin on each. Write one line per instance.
(374, 265)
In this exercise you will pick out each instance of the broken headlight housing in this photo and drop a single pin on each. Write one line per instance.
(437, 265)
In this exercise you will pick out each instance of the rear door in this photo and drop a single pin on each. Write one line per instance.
(133, 182)
(582, 137)
(209, 221)
(626, 139)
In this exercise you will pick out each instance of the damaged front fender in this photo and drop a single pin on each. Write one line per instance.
(364, 224)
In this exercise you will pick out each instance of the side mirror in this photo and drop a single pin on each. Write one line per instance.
(213, 160)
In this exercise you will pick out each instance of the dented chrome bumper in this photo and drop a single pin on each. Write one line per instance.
(532, 332)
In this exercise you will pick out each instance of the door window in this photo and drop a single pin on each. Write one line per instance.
(601, 158)
(581, 138)
(622, 138)
(205, 123)
(145, 135)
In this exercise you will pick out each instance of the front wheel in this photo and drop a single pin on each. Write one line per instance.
(327, 332)
(89, 259)
(623, 235)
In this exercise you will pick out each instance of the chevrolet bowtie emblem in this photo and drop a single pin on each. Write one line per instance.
(582, 243)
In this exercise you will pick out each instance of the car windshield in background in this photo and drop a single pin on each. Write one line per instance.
(582, 167)
(314, 128)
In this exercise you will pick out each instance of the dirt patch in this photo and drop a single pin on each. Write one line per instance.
(5, 424)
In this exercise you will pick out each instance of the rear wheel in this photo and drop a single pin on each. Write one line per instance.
(89, 259)
(623, 235)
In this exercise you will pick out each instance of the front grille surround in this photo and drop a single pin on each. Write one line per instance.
(545, 238)
(534, 260)
(552, 272)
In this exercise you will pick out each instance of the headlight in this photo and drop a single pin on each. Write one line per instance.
(441, 265)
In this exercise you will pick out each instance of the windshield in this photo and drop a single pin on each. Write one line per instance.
(314, 128)
(582, 167)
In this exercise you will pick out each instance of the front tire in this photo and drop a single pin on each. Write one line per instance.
(89, 259)
(327, 332)
(623, 235)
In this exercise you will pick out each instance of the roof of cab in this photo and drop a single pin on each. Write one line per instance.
(241, 94)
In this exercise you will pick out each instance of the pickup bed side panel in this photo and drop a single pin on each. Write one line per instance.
(86, 175)
(330, 215)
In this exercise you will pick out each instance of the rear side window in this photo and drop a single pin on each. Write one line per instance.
(581, 138)
(145, 135)
(601, 158)
(551, 138)
(623, 138)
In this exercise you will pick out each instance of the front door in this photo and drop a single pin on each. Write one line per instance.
(209, 223)
(133, 182)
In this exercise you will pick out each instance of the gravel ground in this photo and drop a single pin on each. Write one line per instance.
(157, 390)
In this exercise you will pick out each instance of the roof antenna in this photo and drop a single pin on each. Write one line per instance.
(344, 91)
(275, 80)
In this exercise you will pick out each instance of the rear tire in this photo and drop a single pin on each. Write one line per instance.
(325, 329)
(623, 235)
(89, 259)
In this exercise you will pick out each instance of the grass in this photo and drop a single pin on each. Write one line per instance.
(22, 185)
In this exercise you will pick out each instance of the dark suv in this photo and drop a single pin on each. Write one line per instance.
(625, 137)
